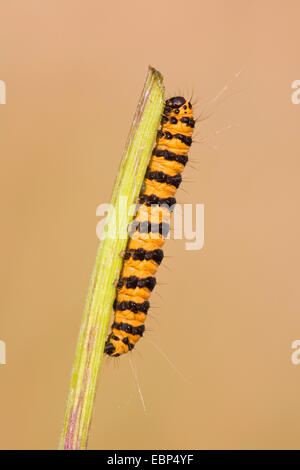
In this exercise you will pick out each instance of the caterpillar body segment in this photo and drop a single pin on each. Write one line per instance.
(150, 226)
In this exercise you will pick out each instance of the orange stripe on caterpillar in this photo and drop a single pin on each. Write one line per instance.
(144, 254)
(170, 167)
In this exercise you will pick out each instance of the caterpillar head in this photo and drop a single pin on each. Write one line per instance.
(178, 107)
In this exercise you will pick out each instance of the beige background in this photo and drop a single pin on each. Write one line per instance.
(226, 315)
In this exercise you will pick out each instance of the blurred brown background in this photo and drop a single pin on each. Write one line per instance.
(226, 315)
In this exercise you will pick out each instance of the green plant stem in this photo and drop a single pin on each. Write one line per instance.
(101, 293)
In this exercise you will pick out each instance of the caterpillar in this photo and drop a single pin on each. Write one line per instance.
(144, 251)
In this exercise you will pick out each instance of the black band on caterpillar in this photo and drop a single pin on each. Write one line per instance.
(134, 307)
(132, 330)
(162, 177)
(147, 227)
(190, 122)
(176, 102)
(183, 159)
(141, 254)
(133, 282)
(128, 343)
(153, 200)
(172, 120)
(109, 347)
(183, 138)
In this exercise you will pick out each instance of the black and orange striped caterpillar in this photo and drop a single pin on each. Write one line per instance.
(144, 250)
